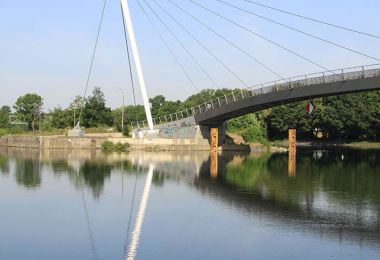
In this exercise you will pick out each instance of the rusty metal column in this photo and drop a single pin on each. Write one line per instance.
(214, 153)
(292, 152)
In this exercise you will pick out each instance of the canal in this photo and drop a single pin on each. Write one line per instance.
(179, 205)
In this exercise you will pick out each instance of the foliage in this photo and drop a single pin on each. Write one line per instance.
(107, 146)
(95, 112)
(61, 118)
(353, 117)
(250, 128)
(3, 132)
(111, 147)
(5, 112)
(28, 109)
(255, 134)
(127, 130)
(75, 107)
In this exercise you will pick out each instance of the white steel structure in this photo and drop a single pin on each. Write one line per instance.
(136, 58)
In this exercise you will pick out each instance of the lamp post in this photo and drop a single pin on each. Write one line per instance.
(122, 110)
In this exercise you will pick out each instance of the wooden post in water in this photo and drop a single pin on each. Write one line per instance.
(214, 153)
(292, 152)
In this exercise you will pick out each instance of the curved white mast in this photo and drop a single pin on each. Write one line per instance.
(136, 57)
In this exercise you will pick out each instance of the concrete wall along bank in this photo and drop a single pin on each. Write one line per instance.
(60, 142)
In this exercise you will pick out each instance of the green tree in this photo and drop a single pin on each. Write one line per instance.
(75, 107)
(5, 112)
(95, 112)
(29, 109)
(285, 117)
(61, 118)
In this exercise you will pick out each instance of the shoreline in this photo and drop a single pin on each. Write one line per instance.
(160, 144)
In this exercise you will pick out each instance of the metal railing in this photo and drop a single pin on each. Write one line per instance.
(340, 75)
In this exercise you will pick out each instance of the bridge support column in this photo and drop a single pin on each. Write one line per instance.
(292, 152)
(206, 132)
(214, 152)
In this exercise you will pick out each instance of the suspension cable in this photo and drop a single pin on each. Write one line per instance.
(226, 40)
(299, 31)
(261, 36)
(92, 59)
(173, 54)
(198, 41)
(129, 65)
(313, 19)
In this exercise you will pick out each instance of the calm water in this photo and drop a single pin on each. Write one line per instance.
(88, 205)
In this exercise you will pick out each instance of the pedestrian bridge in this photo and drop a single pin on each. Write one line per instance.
(275, 93)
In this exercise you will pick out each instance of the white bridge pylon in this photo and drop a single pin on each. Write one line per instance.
(136, 57)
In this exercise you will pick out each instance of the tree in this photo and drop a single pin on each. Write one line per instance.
(28, 109)
(76, 106)
(61, 118)
(283, 118)
(95, 112)
(157, 102)
(5, 112)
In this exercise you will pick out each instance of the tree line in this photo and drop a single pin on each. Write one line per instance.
(352, 116)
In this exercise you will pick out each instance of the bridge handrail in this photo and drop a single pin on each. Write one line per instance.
(350, 73)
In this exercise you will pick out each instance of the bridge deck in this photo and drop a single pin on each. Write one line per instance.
(275, 93)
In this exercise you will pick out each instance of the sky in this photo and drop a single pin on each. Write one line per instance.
(46, 46)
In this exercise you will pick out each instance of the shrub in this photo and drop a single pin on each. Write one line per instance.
(255, 133)
(111, 147)
(108, 146)
(119, 147)
(3, 132)
(127, 130)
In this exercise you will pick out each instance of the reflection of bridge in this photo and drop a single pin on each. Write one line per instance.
(301, 213)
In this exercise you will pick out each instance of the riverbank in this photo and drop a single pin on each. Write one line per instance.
(331, 144)
(96, 141)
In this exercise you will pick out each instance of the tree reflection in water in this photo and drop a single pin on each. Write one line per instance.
(335, 189)
(28, 173)
(4, 165)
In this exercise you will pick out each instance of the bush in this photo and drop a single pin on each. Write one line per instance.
(119, 147)
(108, 146)
(19, 129)
(3, 132)
(127, 131)
(111, 147)
(255, 133)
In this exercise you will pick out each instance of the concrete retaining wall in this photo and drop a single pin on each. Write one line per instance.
(60, 142)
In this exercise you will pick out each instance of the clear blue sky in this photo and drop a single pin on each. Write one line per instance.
(46, 46)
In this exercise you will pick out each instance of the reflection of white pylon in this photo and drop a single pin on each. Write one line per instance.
(135, 237)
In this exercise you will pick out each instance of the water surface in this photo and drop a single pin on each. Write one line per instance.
(90, 205)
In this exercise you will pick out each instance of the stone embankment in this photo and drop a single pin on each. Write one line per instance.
(95, 142)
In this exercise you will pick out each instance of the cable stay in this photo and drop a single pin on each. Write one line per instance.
(198, 41)
(174, 55)
(129, 64)
(92, 60)
(261, 36)
(299, 31)
(314, 19)
(226, 40)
